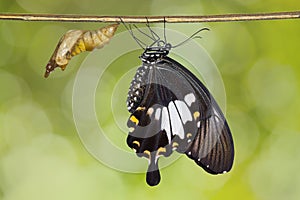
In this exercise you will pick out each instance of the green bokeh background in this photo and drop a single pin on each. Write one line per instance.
(42, 157)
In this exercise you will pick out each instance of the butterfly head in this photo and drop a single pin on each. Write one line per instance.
(153, 53)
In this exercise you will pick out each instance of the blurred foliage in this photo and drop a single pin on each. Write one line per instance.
(42, 157)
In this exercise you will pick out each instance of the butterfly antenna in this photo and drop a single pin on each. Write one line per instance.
(192, 36)
(165, 37)
(154, 35)
(142, 32)
(137, 39)
(129, 29)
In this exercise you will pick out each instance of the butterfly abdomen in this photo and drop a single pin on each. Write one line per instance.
(137, 88)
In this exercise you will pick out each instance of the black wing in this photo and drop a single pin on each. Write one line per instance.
(173, 110)
(212, 147)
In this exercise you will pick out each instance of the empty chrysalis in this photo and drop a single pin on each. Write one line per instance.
(76, 41)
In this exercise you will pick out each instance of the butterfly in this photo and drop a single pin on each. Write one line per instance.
(172, 110)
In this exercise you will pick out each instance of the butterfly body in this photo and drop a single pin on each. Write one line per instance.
(171, 110)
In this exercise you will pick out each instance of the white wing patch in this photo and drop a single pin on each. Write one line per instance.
(189, 99)
(184, 111)
(157, 113)
(165, 123)
(176, 115)
(177, 127)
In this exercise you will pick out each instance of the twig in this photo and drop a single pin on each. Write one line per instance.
(152, 19)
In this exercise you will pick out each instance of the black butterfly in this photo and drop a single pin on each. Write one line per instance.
(171, 110)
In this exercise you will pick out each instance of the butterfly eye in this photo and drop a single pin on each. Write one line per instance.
(168, 46)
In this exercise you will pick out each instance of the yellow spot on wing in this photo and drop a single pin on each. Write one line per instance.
(196, 115)
(175, 144)
(141, 108)
(188, 135)
(150, 111)
(134, 120)
(147, 153)
(136, 142)
(161, 150)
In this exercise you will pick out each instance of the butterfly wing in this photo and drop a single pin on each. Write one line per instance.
(159, 117)
(212, 147)
(172, 110)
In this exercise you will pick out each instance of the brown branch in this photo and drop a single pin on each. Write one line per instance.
(152, 19)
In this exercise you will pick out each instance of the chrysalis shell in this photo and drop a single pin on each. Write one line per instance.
(76, 41)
